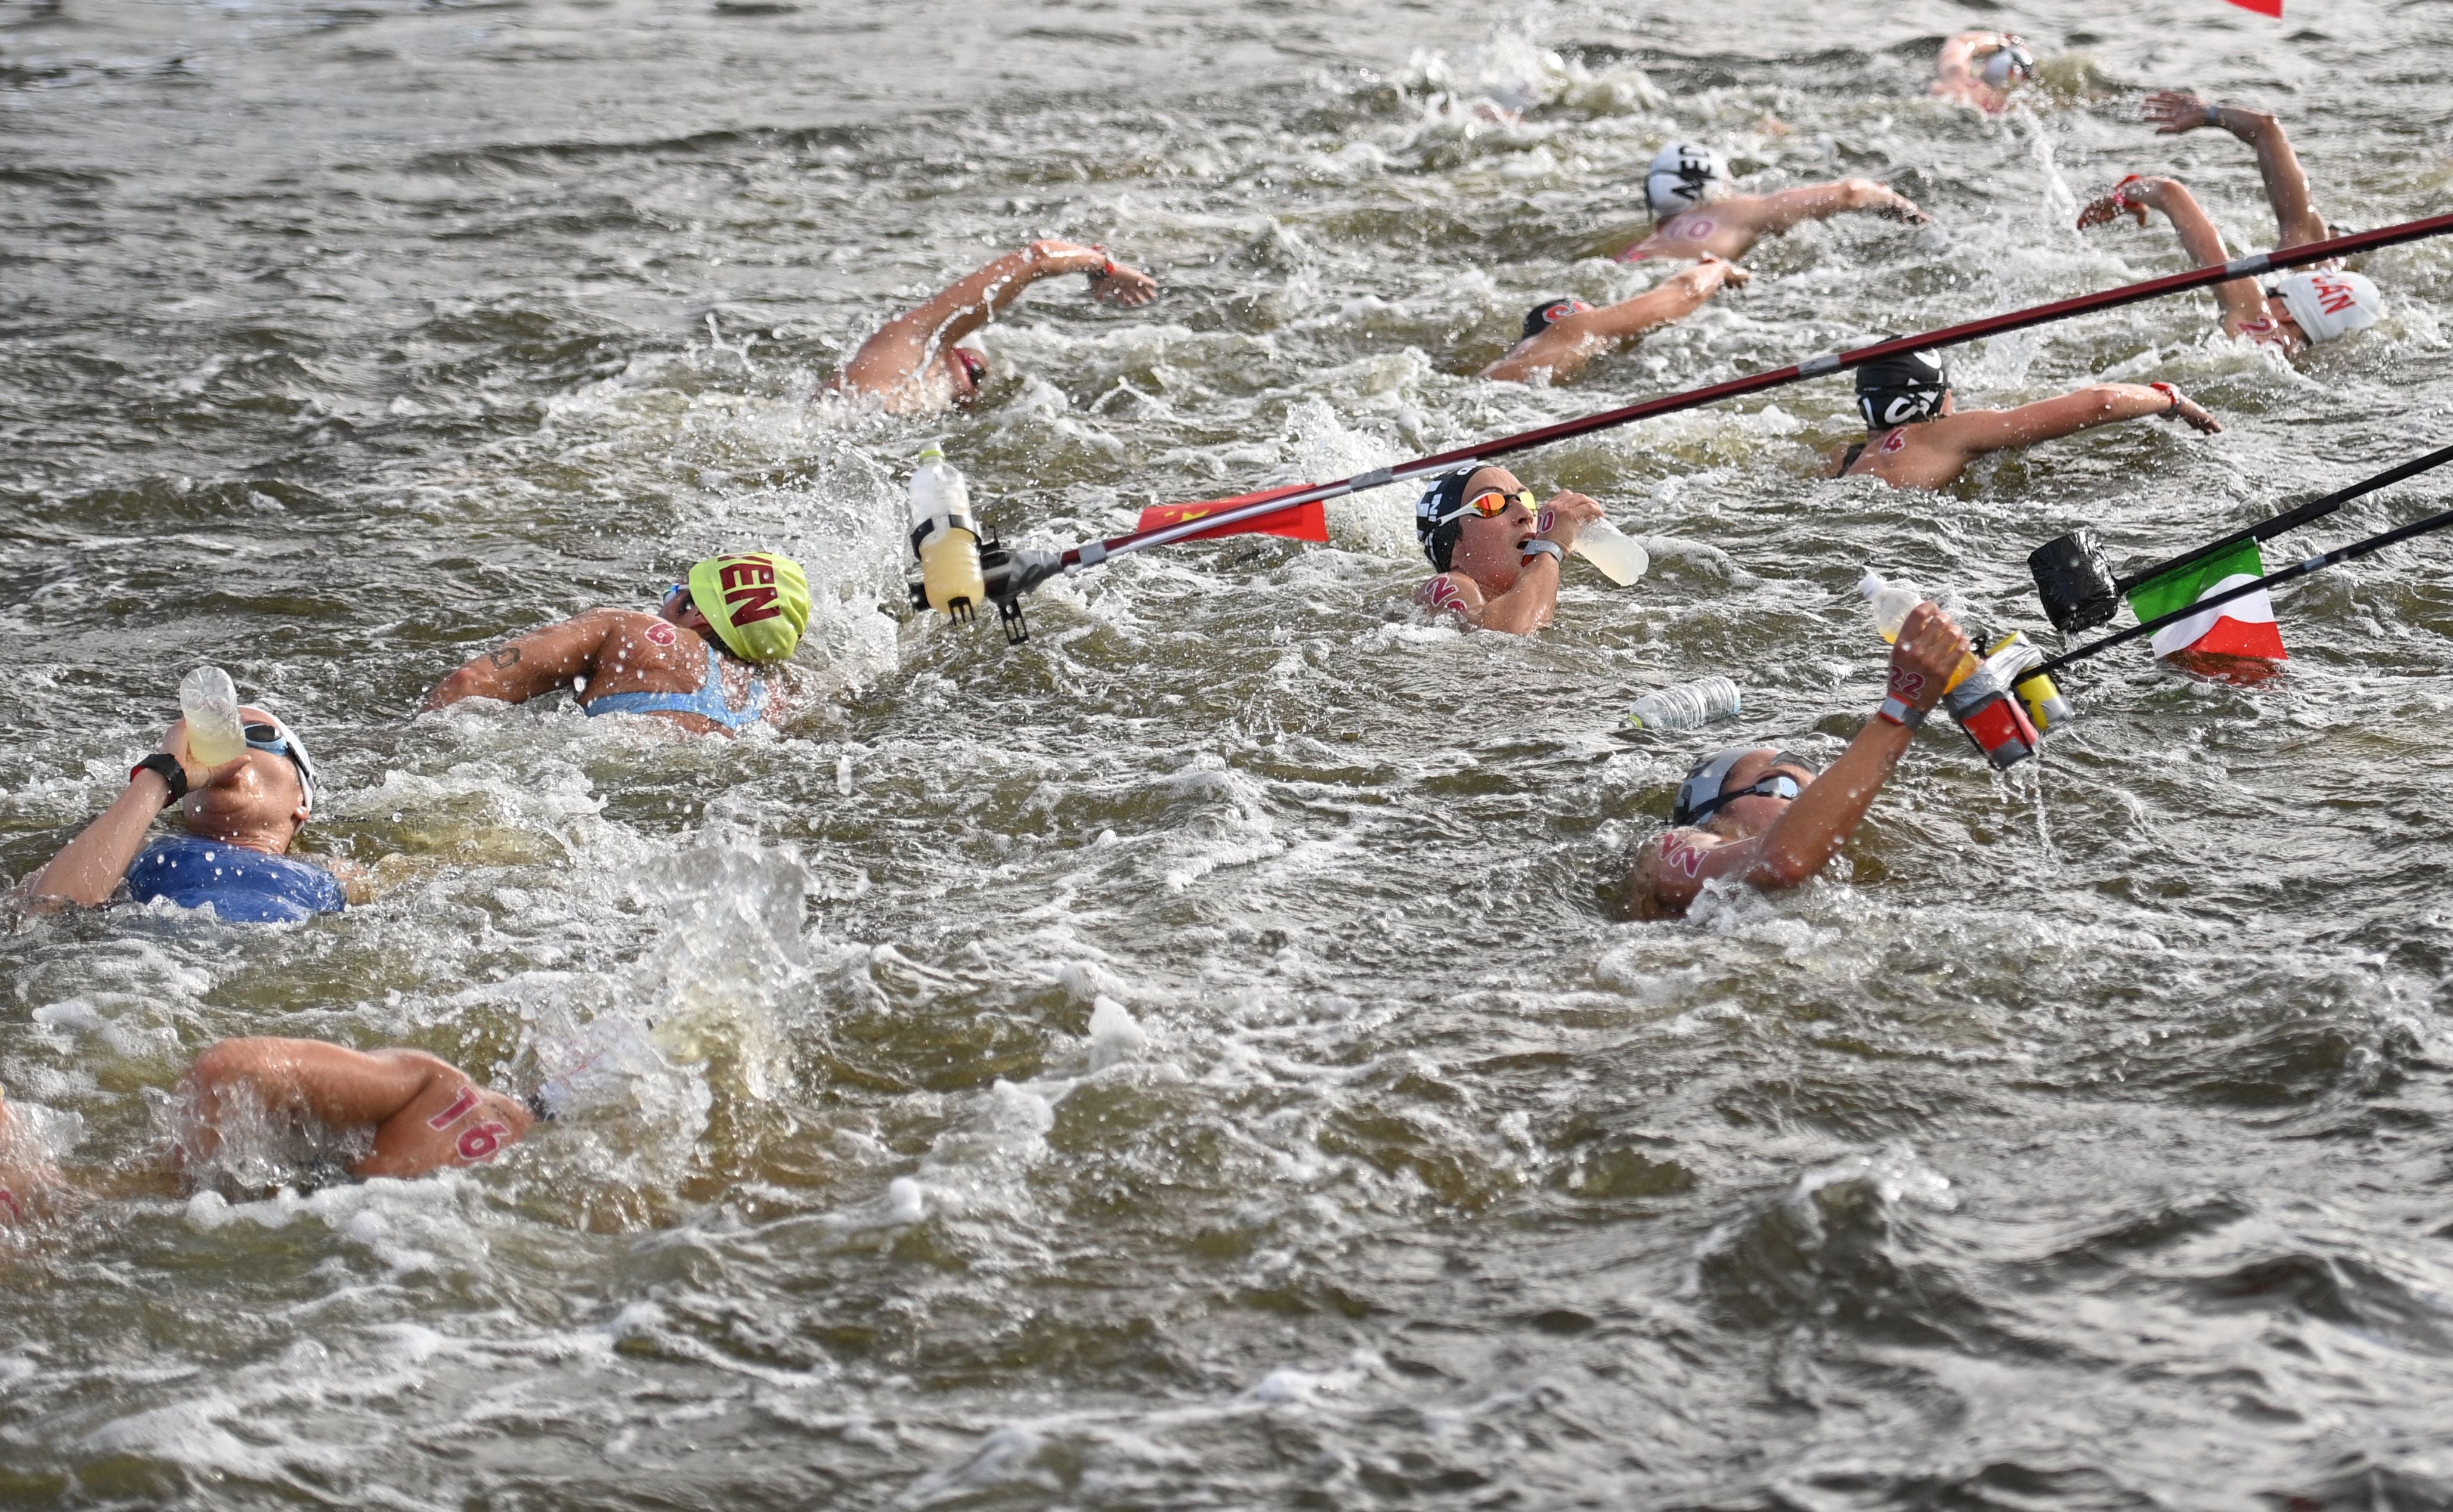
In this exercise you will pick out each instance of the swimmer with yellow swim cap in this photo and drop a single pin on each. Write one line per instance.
(694, 660)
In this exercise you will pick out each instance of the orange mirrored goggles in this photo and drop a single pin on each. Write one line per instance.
(1490, 504)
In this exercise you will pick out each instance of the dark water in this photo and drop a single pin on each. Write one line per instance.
(1188, 1061)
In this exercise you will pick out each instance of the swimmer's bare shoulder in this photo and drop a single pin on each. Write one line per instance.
(1668, 872)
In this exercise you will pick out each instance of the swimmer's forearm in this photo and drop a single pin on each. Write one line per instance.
(1522, 608)
(980, 297)
(530, 667)
(90, 868)
(1804, 838)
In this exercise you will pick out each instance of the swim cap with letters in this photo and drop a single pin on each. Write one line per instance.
(1546, 314)
(758, 603)
(2329, 306)
(1682, 178)
(1902, 389)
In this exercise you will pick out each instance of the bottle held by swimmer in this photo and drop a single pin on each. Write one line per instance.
(1980, 694)
(946, 538)
(209, 700)
(1619, 559)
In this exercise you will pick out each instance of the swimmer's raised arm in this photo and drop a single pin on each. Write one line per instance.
(1669, 871)
(427, 1113)
(905, 346)
(2287, 185)
(91, 867)
(1570, 342)
(2241, 298)
(532, 664)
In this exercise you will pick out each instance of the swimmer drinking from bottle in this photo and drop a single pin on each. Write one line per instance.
(2307, 309)
(1495, 559)
(239, 819)
(694, 661)
(1696, 211)
(1763, 818)
(917, 364)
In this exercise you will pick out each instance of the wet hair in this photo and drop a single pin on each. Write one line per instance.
(1550, 312)
(1902, 390)
(1442, 499)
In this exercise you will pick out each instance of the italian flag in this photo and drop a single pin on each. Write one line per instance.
(2244, 627)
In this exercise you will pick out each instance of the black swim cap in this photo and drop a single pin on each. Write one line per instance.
(1902, 389)
(1552, 310)
(1443, 499)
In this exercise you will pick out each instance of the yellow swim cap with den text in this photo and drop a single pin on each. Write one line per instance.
(758, 602)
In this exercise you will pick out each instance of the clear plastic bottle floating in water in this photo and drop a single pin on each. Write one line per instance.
(210, 701)
(1621, 560)
(945, 536)
(1688, 706)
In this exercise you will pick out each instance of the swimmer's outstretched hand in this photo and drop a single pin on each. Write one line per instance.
(2188, 412)
(1892, 206)
(2177, 111)
(1732, 276)
(1128, 287)
(199, 775)
(2131, 196)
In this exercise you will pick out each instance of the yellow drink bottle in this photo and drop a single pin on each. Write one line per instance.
(210, 702)
(945, 537)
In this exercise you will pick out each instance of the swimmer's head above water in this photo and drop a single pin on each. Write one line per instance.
(1684, 177)
(755, 603)
(1475, 520)
(1741, 790)
(1903, 389)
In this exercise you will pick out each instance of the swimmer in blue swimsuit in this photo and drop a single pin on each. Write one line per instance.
(693, 662)
(241, 819)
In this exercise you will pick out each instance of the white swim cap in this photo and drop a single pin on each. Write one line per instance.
(2330, 305)
(1682, 177)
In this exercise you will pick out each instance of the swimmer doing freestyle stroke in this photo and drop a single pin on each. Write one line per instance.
(693, 662)
(240, 820)
(1762, 818)
(1917, 437)
(917, 363)
(1495, 560)
(1562, 336)
(1695, 209)
(400, 1113)
(2304, 310)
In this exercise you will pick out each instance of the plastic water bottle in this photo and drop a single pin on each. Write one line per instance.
(1891, 598)
(210, 701)
(1621, 560)
(1688, 706)
(945, 536)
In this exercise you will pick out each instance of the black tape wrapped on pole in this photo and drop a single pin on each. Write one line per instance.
(1021, 571)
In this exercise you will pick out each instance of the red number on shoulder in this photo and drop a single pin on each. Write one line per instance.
(458, 1110)
(1896, 440)
(1684, 854)
(482, 1141)
(661, 634)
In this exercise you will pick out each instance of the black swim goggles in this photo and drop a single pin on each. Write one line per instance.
(1772, 784)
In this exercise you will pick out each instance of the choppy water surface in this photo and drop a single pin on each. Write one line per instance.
(1189, 1060)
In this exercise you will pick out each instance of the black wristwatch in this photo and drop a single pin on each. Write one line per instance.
(173, 775)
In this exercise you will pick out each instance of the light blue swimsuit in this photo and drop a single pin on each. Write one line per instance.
(708, 702)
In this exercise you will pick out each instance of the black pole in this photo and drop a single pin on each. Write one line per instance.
(2267, 529)
(2298, 570)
